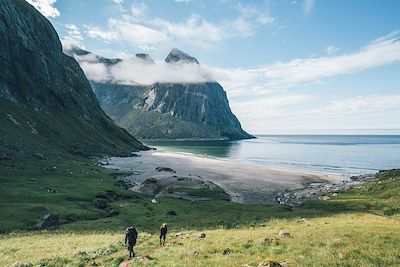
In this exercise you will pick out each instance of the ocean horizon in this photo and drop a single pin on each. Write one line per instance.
(344, 155)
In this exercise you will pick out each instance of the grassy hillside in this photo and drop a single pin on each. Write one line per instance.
(342, 240)
(88, 197)
(72, 188)
(360, 226)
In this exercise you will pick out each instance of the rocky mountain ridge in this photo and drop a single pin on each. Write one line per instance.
(198, 110)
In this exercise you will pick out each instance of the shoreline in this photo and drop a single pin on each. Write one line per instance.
(244, 182)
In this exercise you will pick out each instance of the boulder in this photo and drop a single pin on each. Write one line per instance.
(49, 220)
(226, 252)
(178, 235)
(51, 190)
(284, 234)
(269, 264)
(199, 235)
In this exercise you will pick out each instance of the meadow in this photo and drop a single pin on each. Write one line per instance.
(360, 227)
(341, 240)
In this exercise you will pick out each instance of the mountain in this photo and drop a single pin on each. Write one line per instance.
(145, 57)
(46, 102)
(167, 110)
(178, 56)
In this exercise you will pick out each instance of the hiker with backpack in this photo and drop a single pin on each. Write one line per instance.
(130, 239)
(163, 234)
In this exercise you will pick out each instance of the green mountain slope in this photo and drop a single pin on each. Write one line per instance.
(46, 103)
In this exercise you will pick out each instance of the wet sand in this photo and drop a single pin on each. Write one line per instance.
(244, 182)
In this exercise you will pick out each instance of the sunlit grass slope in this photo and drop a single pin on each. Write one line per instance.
(340, 240)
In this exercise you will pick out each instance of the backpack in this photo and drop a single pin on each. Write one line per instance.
(131, 234)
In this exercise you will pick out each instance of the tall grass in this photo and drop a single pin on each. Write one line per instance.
(341, 240)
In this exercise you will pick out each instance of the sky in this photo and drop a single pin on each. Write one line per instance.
(288, 66)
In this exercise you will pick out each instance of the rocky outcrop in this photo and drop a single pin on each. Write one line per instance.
(49, 220)
(46, 102)
(321, 191)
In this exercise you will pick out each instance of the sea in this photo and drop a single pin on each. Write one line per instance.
(344, 155)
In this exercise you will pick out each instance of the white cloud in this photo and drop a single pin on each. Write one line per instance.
(136, 33)
(274, 112)
(237, 82)
(46, 7)
(331, 50)
(74, 32)
(96, 70)
(362, 104)
(146, 47)
(118, 1)
(264, 19)
(255, 108)
(135, 71)
(194, 30)
(73, 37)
(262, 114)
(308, 6)
(135, 27)
(263, 80)
(138, 10)
(254, 12)
(382, 51)
(97, 33)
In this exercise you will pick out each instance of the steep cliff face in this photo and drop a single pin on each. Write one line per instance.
(171, 111)
(47, 104)
(167, 110)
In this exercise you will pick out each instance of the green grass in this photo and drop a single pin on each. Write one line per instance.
(23, 201)
(216, 193)
(341, 240)
(364, 220)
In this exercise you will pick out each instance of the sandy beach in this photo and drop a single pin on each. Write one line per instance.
(245, 183)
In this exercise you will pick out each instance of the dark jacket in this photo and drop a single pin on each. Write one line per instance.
(131, 235)
(163, 230)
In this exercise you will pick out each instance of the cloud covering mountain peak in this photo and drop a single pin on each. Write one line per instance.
(137, 70)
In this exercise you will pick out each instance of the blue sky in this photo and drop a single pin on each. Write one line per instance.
(288, 66)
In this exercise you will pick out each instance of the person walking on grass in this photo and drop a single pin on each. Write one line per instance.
(163, 234)
(130, 239)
